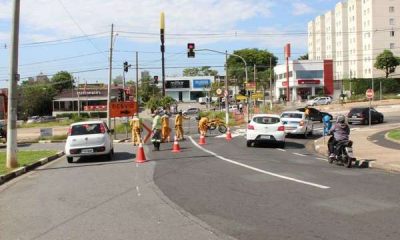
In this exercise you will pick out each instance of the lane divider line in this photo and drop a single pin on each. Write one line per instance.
(281, 149)
(323, 159)
(299, 154)
(257, 169)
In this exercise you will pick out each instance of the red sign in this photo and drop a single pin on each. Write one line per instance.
(312, 81)
(122, 109)
(287, 50)
(369, 93)
(284, 84)
(95, 108)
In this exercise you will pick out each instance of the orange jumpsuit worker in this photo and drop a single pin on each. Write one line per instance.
(165, 130)
(136, 125)
(178, 126)
(203, 126)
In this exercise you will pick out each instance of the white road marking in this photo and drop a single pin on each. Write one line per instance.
(322, 159)
(281, 149)
(299, 154)
(257, 169)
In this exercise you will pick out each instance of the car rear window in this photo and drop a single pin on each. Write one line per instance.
(357, 110)
(266, 120)
(292, 115)
(92, 128)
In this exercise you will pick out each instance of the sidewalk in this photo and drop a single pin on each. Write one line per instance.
(366, 151)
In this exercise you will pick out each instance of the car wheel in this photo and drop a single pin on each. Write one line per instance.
(70, 159)
(249, 143)
(110, 155)
(381, 120)
(282, 144)
(366, 121)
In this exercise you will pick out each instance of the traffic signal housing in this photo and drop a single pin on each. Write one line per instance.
(126, 66)
(155, 79)
(120, 95)
(190, 50)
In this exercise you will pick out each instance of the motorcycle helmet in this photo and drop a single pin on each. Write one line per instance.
(341, 119)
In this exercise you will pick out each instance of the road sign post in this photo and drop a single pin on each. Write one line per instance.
(370, 95)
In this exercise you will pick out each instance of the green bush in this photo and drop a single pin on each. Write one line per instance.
(98, 114)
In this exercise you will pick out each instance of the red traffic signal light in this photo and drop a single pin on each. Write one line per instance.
(190, 50)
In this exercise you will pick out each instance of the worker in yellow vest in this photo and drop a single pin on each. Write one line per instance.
(165, 130)
(203, 126)
(178, 126)
(137, 128)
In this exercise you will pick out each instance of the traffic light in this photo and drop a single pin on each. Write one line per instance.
(126, 66)
(155, 79)
(190, 50)
(120, 95)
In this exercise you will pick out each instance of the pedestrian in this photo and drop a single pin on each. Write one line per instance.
(165, 129)
(137, 128)
(307, 112)
(178, 126)
(156, 130)
(203, 126)
(241, 107)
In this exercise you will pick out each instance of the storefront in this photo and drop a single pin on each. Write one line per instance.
(188, 89)
(306, 78)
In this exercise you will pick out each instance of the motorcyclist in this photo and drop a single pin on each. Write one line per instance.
(327, 124)
(156, 128)
(340, 132)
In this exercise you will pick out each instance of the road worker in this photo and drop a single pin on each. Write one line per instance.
(178, 126)
(137, 128)
(165, 129)
(203, 125)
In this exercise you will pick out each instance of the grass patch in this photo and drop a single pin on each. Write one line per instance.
(55, 138)
(47, 125)
(394, 134)
(24, 158)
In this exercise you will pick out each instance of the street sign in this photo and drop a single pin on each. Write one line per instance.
(369, 93)
(251, 86)
(46, 132)
(122, 109)
(219, 91)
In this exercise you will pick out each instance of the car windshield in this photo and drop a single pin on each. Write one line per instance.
(266, 120)
(292, 115)
(84, 129)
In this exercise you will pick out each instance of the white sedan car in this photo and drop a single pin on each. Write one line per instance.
(296, 123)
(91, 138)
(319, 101)
(265, 128)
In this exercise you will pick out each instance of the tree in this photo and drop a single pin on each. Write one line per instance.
(387, 62)
(304, 57)
(62, 80)
(147, 90)
(167, 101)
(199, 71)
(35, 100)
(118, 80)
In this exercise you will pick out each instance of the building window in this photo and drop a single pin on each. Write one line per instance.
(391, 9)
(391, 21)
(391, 45)
(392, 33)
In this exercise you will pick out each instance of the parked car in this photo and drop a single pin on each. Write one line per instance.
(33, 119)
(191, 111)
(265, 128)
(315, 114)
(295, 123)
(319, 101)
(91, 138)
(361, 115)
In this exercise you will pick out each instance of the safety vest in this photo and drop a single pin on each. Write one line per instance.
(178, 119)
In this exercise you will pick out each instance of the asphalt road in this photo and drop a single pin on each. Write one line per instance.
(219, 190)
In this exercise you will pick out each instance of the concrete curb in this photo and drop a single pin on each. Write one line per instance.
(20, 171)
(390, 139)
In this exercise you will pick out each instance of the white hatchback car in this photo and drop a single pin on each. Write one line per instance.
(296, 123)
(319, 101)
(265, 128)
(91, 138)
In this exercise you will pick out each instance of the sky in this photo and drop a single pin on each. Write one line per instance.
(75, 35)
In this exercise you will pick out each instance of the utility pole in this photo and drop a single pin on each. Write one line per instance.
(270, 83)
(137, 83)
(226, 92)
(162, 37)
(12, 161)
(79, 101)
(110, 78)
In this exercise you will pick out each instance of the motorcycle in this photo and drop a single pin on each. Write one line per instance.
(345, 156)
(216, 123)
(156, 139)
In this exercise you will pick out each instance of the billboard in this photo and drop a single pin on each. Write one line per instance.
(178, 84)
(201, 83)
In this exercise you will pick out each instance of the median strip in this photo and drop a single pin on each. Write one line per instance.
(257, 169)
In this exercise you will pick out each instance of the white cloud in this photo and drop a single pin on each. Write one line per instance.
(48, 17)
(300, 8)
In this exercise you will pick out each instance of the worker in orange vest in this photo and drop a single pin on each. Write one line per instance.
(203, 126)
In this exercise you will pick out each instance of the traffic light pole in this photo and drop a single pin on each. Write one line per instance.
(162, 38)
(12, 91)
(110, 78)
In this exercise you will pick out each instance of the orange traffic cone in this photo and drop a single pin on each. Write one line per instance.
(228, 135)
(175, 147)
(140, 157)
(202, 140)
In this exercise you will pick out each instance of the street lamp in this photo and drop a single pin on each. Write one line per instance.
(226, 80)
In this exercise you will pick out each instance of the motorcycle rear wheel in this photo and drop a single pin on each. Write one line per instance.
(222, 128)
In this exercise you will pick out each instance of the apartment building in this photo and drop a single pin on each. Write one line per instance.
(353, 34)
